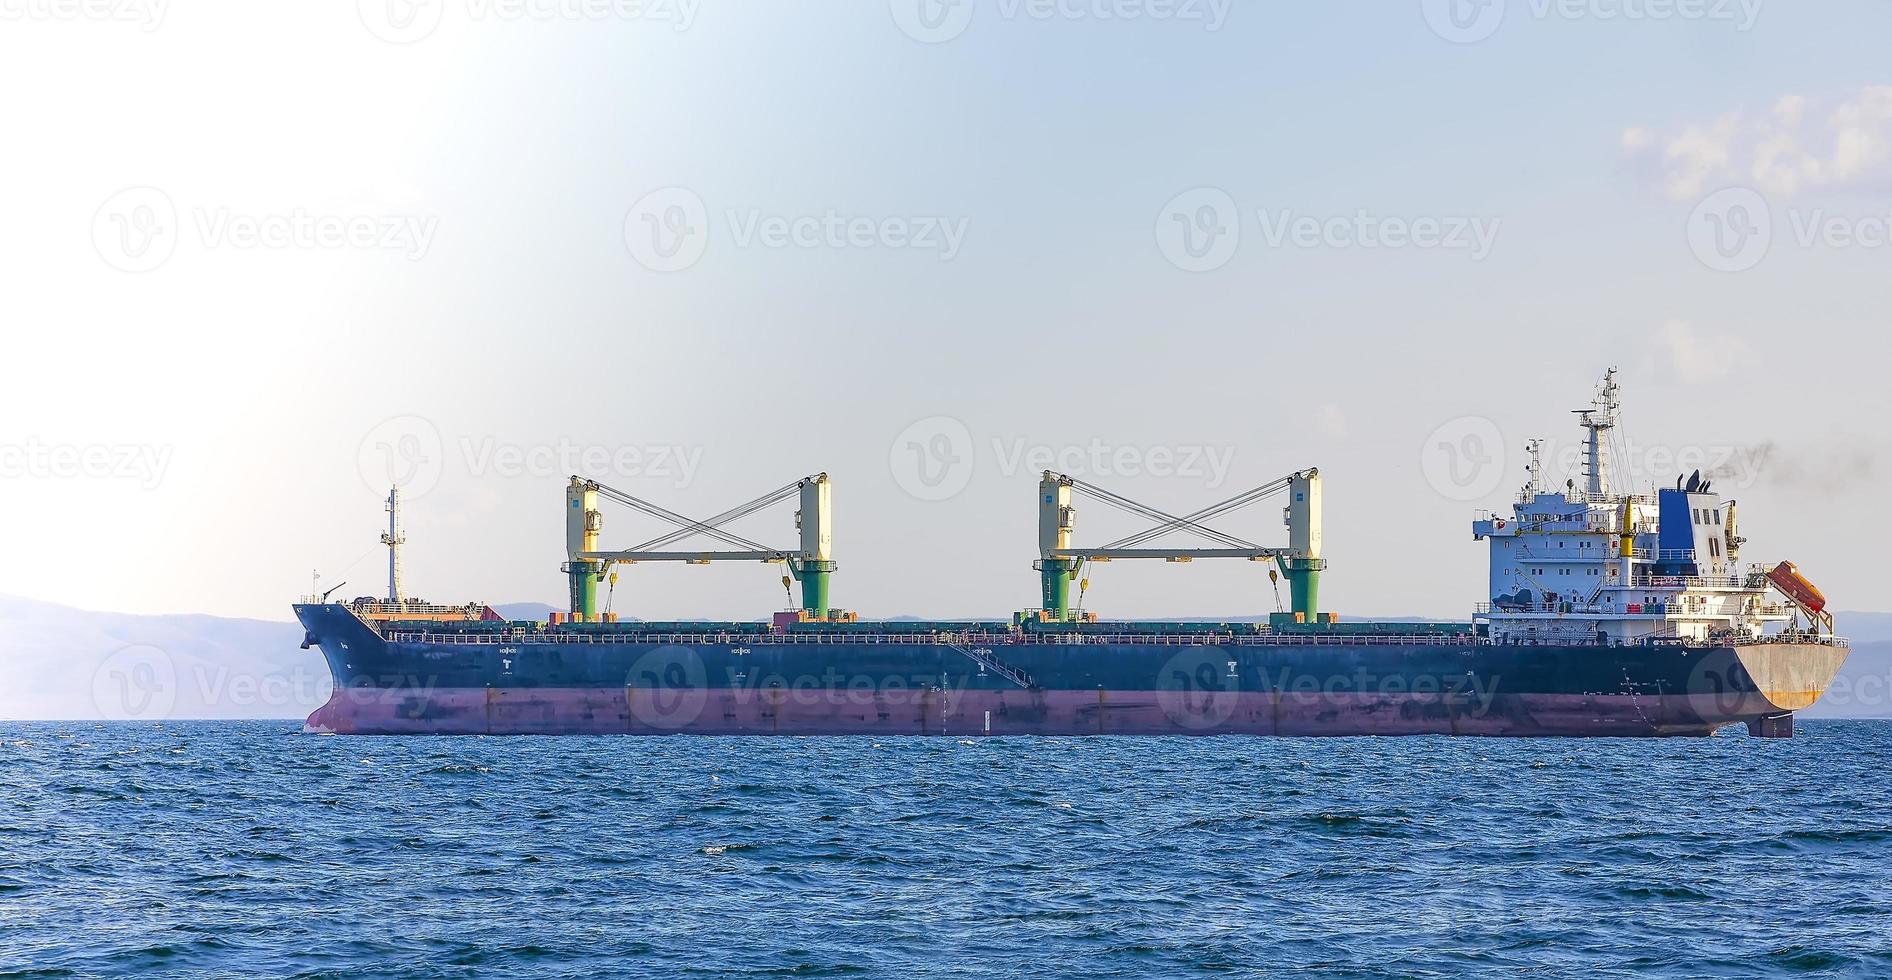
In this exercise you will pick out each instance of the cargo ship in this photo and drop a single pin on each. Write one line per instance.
(1609, 613)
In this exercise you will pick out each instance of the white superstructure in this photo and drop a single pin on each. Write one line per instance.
(1586, 563)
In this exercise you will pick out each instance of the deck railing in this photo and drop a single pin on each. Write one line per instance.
(1003, 639)
(912, 639)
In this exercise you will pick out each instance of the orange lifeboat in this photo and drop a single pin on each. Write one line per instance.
(1795, 586)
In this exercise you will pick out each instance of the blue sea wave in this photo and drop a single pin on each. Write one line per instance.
(216, 849)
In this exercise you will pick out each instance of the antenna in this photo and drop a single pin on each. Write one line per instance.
(1535, 449)
(1599, 418)
(394, 539)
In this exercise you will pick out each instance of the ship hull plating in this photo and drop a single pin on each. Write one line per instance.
(777, 686)
(601, 711)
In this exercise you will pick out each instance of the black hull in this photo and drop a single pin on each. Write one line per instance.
(562, 684)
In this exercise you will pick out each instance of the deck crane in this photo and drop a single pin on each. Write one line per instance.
(812, 564)
(1059, 561)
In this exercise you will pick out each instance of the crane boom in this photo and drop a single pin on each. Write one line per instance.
(1060, 560)
(812, 564)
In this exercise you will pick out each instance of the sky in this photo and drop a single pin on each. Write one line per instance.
(260, 260)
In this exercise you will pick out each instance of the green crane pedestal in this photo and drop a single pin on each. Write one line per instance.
(1303, 576)
(584, 587)
(814, 576)
(1056, 575)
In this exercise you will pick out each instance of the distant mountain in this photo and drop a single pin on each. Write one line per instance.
(61, 663)
(1864, 627)
(522, 611)
(1863, 688)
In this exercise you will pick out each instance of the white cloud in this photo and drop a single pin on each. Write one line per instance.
(1796, 146)
(1696, 356)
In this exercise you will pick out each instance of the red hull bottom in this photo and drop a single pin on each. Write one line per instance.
(601, 711)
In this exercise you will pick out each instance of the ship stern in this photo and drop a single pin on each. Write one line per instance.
(1761, 685)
